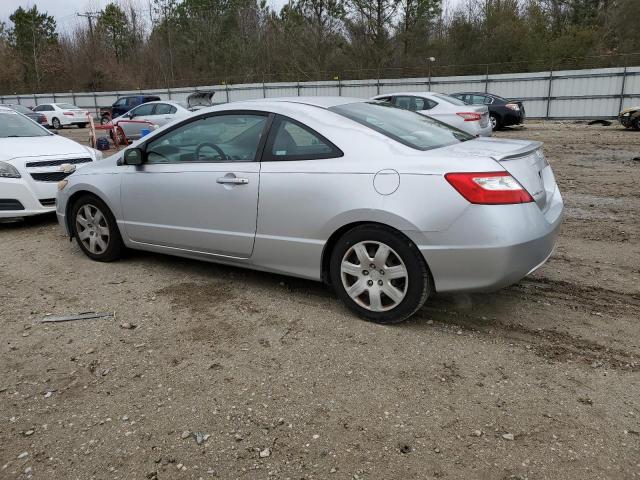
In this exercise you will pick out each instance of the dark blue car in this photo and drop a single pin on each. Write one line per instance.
(123, 105)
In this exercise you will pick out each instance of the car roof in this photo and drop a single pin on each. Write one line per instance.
(7, 109)
(411, 94)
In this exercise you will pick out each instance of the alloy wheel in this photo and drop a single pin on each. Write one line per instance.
(92, 229)
(494, 122)
(374, 276)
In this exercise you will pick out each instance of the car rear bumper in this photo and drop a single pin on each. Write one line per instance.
(492, 246)
(18, 200)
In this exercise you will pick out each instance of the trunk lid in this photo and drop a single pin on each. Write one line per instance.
(199, 100)
(482, 110)
(523, 160)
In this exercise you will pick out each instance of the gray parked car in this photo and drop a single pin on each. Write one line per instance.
(387, 205)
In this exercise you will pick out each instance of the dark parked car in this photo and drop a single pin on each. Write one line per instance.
(123, 105)
(27, 112)
(503, 112)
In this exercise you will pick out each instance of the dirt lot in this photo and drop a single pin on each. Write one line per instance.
(540, 380)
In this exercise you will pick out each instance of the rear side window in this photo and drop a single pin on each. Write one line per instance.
(449, 99)
(146, 109)
(291, 140)
(164, 109)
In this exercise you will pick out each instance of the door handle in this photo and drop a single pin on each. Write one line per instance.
(233, 180)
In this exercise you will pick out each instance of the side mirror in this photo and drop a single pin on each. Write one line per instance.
(133, 156)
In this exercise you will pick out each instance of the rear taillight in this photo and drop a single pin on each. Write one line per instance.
(70, 114)
(470, 116)
(42, 119)
(513, 106)
(489, 188)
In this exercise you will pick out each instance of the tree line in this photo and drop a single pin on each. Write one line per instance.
(202, 42)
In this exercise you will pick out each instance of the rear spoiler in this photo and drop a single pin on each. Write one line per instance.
(528, 149)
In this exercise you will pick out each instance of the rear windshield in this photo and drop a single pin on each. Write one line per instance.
(15, 125)
(447, 98)
(67, 106)
(409, 128)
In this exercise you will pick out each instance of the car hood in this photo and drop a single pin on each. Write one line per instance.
(630, 109)
(47, 146)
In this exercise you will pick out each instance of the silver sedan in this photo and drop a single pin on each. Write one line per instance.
(386, 205)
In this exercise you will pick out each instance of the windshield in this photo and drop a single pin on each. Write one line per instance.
(14, 125)
(20, 108)
(447, 98)
(67, 106)
(409, 128)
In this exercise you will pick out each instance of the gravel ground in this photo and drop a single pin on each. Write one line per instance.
(210, 371)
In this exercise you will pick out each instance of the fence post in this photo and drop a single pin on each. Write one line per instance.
(95, 104)
(624, 81)
(226, 89)
(378, 83)
(486, 80)
(264, 88)
(339, 86)
(549, 91)
(169, 93)
(298, 87)
(73, 97)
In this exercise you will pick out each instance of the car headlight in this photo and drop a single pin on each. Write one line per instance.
(8, 171)
(626, 114)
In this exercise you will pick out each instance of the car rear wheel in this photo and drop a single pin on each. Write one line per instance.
(55, 123)
(379, 274)
(82, 125)
(96, 230)
(495, 122)
(635, 123)
(104, 120)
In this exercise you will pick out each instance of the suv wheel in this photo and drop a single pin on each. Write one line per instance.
(379, 274)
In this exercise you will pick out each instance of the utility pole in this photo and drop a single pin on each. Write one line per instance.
(90, 16)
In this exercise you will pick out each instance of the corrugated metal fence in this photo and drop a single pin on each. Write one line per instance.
(578, 94)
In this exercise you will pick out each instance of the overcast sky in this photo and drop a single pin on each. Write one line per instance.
(65, 11)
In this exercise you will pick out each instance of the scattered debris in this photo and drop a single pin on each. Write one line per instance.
(585, 400)
(265, 453)
(28, 433)
(508, 436)
(79, 316)
(199, 438)
(23, 455)
(477, 433)
(186, 434)
(128, 326)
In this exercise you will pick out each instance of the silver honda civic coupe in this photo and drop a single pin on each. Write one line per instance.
(386, 205)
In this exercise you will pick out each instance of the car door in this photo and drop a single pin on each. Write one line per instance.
(197, 191)
(139, 118)
(162, 114)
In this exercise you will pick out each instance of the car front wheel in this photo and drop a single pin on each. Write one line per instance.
(55, 123)
(379, 274)
(96, 230)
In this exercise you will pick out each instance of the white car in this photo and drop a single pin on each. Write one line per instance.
(473, 119)
(32, 162)
(63, 114)
(150, 116)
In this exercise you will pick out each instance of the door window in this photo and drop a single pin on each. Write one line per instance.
(164, 109)
(423, 103)
(291, 140)
(477, 99)
(143, 110)
(120, 103)
(404, 102)
(217, 138)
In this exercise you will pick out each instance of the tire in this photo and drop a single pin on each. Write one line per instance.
(411, 284)
(55, 123)
(105, 120)
(496, 124)
(82, 125)
(106, 245)
(635, 123)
